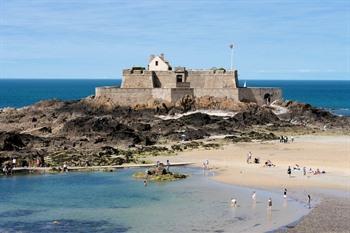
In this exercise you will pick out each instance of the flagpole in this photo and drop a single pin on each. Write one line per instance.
(231, 47)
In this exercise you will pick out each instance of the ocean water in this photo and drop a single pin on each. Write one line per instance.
(22, 92)
(116, 202)
(331, 95)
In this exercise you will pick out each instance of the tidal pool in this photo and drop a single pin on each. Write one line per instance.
(116, 202)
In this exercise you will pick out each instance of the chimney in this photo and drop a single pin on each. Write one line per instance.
(162, 56)
(151, 57)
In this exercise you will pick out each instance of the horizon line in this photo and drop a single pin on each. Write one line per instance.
(240, 79)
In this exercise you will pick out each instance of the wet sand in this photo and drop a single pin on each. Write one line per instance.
(328, 153)
(331, 215)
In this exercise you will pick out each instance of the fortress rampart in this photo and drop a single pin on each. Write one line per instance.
(161, 83)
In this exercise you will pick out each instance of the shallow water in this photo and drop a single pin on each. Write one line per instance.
(115, 202)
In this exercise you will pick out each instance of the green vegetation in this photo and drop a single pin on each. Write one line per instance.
(159, 173)
(160, 177)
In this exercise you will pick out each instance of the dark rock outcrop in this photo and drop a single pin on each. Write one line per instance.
(84, 132)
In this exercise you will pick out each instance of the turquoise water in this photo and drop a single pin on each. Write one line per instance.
(115, 202)
(333, 95)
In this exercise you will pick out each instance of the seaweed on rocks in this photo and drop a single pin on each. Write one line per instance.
(89, 132)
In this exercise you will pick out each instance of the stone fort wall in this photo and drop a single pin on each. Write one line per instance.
(140, 96)
(137, 79)
(259, 95)
(167, 79)
(147, 96)
(144, 87)
(230, 93)
(212, 79)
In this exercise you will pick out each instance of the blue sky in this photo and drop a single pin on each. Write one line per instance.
(286, 39)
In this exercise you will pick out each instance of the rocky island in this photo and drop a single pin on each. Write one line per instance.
(158, 110)
(86, 133)
(159, 173)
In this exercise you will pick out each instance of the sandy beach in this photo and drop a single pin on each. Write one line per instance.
(326, 153)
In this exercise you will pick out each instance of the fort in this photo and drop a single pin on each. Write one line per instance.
(160, 82)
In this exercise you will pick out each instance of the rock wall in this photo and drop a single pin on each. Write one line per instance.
(212, 79)
(178, 93)
(162, 94)
(259, 95)
(135, 96)
(125, 97)
(166, 79)
(148, 96)
(137, 79)
(230, 93)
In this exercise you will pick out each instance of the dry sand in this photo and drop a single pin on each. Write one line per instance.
(328, 153)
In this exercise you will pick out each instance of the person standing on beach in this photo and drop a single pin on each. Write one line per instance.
(14, 162)
(254, 196)
(233, 202)
(269, 203)
(168, 165)
(285, 193)
(65, 167)
(304, 171)
(289, 171)
(309, 201)
(249, 157)
(207, 164)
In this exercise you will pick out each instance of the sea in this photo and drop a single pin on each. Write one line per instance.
(333, 95)
(109, 202)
